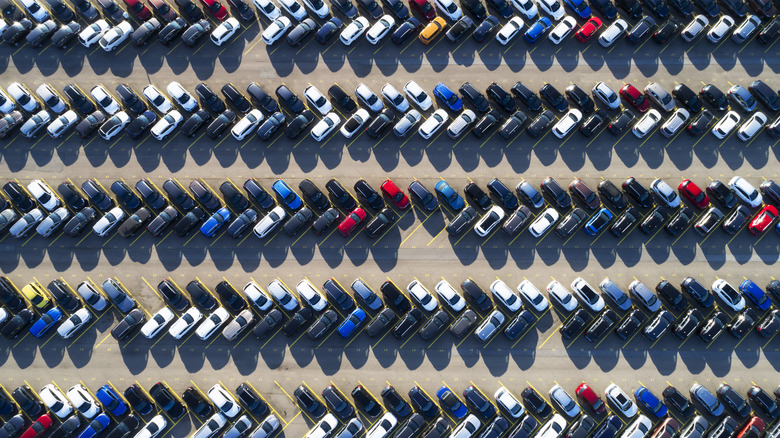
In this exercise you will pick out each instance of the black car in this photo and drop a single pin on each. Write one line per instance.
(324, 222)
(571, 222)
(666, 31)
(535, 403)
(96, 195)
(345, 7)
(28, 401)
(271, 125)
(638, 192)
(38, 35)
(540, 123)
(381, 321)
(408, 323)
(268, 323)
(197, 403)
(69, 426)
(367, 194)
(677, 399)
(337, 402)
(473, 96)
(770, 32)
(713, 327)
(464, 323)
(125, 195)
(365, 401)
(631, 324)
(714, 97)
(209, 99)
(201, 295)
(130, 99)
(371, 6)
(125, 427)
(196, 32)
(671, 294)
(423, 195)
(765, 94)
(476, 295)
(298, 320)
(621, 122)
(709, 7)
(422, 403)
(528, 97)
(380, 123)
(71, 195)
(65, 34)
(322, 325)
(695, 289)
(133, 223)
(641, 29)
(62, 294)
(9, 295)
(78, 99)
(460, 28)
(461, 220)
(140, 124)
(405, 30)
(475, 7)
(18, 196)
(517, 220)
(688, 324)
(606, 7)
(502, 97)
(220, 124)
(309, 402)
(554, 98)
(393, 401)
(611, 193)
(488, 121)
(61, 10)
(519, 324)
(205, 196)
(298, 124)
(342, 196)
(723, 193)
(233, 196)
(299, 33)
(653, 221)
(337, 295)
(15, 325)
(230, 297)
(90, 124)
(251, 400)
(127, 325)
(511, 127)
(485, 28)
(168, 402)
(241, 223)
(298, 221)
(173, 295)
(581, 428)
(171, 31)
(551, 188)
(659, 8)
(601, 325)
(574, 324)
(632, 7)
(478, 402)
(700, 124)
(658, 325)
(145, 31)
(342, 99)
(236, 98)
(380, 222)
(328, 30)
(291, 101)
(729, 396)
(580, 98)
(394, 296)
(478, 196)
(398, 8)
(196, 121)
(190, 10)
(189, 221)
(594, 123)
(258, 193)
(435, 324)
(525, 427)
(16, 31)
(687, 97)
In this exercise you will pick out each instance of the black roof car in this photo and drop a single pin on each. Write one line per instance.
(554, 98)
(606, 7)
(299, 33)
(488, 121)
(298, 320)
(631, 324)
(632, 7)
(209, 99)
(464, 323)
(233, 196)
(405, 30)
(189, 9)
(15, 325)
(366, 401)
(134, 222)
(196, 121)
(475, 7)
(733, 399)
(380, 123)
(371, 6)
(71, 195)
(743, 323)
(461, 220)
(217, 127)
(594, 123)
(653, 220)
(535, 403)
(540, 123)
(473, 96)
(435, 324)
(16, 31)
(394, 296)
(621, 122)
(671, 294)
(551, 188)
(61, 293)
(90, 124)
(658, 325)
(714, 97)
(271, 125)
(337, 402)
(687, 97)
(502, 97)
(173, 295)
(168, 402)
(574, 324)
(230, 297)
(251, 400)
(97, 195)
(170, 31)
(477, 196)
(769, 32)
(197, 402)
(291, 101)
(323, 324)
(368, 194)
(713, 327)
(611, 193)
(343, 197)
(701, 123)
(189, 221)
(203, 194)
(195, 32)
(297, 221)
(145, 31)
(641, 29)
(140, 124)
(528, 97)
(298, 124)
(130, 99)
(236, 98)
(241, 223)
(601, 325)
(342, 99)
(150, 194)
(328, 30)
(268, 323)
(408, 323)
(201, 295)
(79, 222)
(484, 29)
(675, 398)
(517, 220)
(27, 400)
(128, 324)
(382, 220)
(765, 94)
(580, 98)
(571, 222)
(423, 195)
(476, 295)
(381, 321)
(324, 221)
(18, 196)
(337, 295)
(695, 289)
(722, 192)
(125, 195)
(478, 402)
(519, 324)
(638, 192)
(161, 222)
(345, 7)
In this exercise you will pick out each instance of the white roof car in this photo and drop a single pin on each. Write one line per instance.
(325, 126)
(564, 402)
(745, 191)
(62, 124)
(224, 401)
(322, 11)
(544, 222)
(380, 29)
(6, 103)
(467, 428)
(512, 28)
(450, 296)
(613, 32)
(553, 428)
(157, 322)
(23, 96)
(353, 30)
(720, 29)
(92, 295)
(212, 323)
(433, 124)
(552, 8)
(354, 123)
(606, 95)
(165, 126)
(660, 96)
(293, 8)
(675, 122)
(36, 10)
(562, 30)
(182, 96)
(311, 295)
(92, 33)
(74, 323)
(752, 126)
(83, 401)
(224, 31)
(567, 123)
(51, 98)
(269, 222)
(461, 123)
(639, 428)
(620, 400)
(43, 194)
(268, 8)
(489, 221)
(153, 428)
(490, 326)
(55, 400)
(730, 296)
(317, 100)
(115, 36)
(369, 98)
(505, 294)
(416, 94)
(406, 123)
(726, 124)
(449, 9)
(257, 296)
(283, 297)
(350, 430)
(746, 29)
(694, 28)
(527, 8)
(647, 123)
(247, 124)
(561, 295)
(395, 98)
(158, 100)
(185, 323)
(509, 402)
(532, 294)
(26, 223)
(105, 100)
(34, 124)
(113, 126)
(278, 27)
(53, 222)
(587, 294)
(421, 295)
(665, 192)
(383, 426)
(268, 426)
(324, 428)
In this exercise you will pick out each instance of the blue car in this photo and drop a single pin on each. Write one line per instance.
(537, 30)
(111, 400)
(598, 221)
(579, 7)
(451, 401)
(448, 97)
(288, 196)
(215, 222)
(96, 426)
(452, 197)
(352, 322)
(650, 401)
(45, 322)
(756, 294)
(610, 428)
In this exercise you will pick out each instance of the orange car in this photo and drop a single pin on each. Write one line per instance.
(432, 30)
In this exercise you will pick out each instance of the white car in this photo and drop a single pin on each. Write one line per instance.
(112, 39)
(620, 400)
(639, 428)
(511, 29)
(154, 427)
(553, 428)
(504, 293)
(283, 297)
(74, 323)
(268, 8)
(720, 29)
(43, 194)
(211, 427)
(461, 124)
(34, 124)
(491, 219)
(675, 122)
(269, 222)
(647, 123)
(694, 28)
(553, 8)
(165, 126)
(114, 125)
(509, 402)
(311, 295)
(353, 30)
(406, 123)
(157, 322)
(659, 95)
(369, 98)
(325, 126)
(26, 223)
(745, 191)
(55, 400)
(563, 401)
(35, 9)
(317, 100)
(158, 100)
(212, 323)
(587, 294)
(224, 401)
(613, 32)
(561, 295)
(354, 123)
(665, 192)
(93, 33)
(293, 8)
(449, 9)
(450, 296)
(380, 29)
(532, 295)
(257, 296)
(62, 124)
(421, 295)
(247, 125)
(322, 11)
(182, 96)
(278, 27)
(383, 426)
(270, 424)
(350, 430)
(51, 98)
(416, 94)
(324, 428)
(606, 95)
(544, 222)
(467, 428)
(81, 399)
(24, 97)
(567, 123)
(395, 98)
(562, 30)
(105, 100)
(527, 8)
(6, 103)
(185, 323)
(92, 295)
(225, 31)
(433, 123)
(746, 29)
(726, 124)
(751, 127)
(730, 296)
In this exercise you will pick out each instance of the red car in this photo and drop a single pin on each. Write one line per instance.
(423, 8)
(588, 29)
(348, 225)
(753, 428)
(694, 193)
(587, 393)
(38, 427)
(164, 10)
(635, 98)
(139, 9)
(216, 9)
(395, 194)
(763, 220)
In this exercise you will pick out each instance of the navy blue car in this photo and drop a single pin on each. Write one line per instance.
(448, 97)
(579, 7)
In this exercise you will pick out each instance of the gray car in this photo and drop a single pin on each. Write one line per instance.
(118, 295)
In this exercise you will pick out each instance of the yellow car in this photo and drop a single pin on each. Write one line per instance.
(36, 295)
(432, 30)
